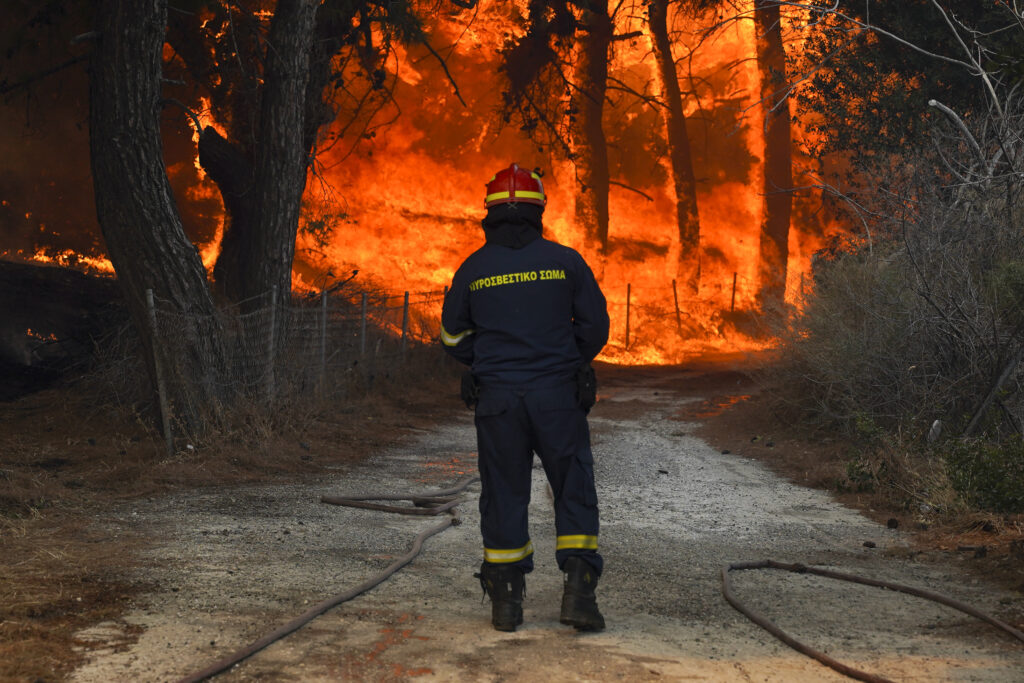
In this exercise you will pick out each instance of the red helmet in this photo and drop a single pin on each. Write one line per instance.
(514, 184)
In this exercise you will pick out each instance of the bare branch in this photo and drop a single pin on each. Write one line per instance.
(444, 65)
(961, 125)
(6, 87)
(191, 114)
(632, 189)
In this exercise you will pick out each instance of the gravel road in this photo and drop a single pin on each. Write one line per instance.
(227, 566)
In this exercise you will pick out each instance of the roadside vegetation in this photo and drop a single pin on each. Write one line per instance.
(910, 341)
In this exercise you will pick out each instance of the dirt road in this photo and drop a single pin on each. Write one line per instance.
(228, 566)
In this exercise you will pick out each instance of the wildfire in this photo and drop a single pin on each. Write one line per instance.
(412, 206)
(68, 258)
(402, 203)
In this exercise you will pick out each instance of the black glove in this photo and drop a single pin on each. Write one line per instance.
(470, 390)
(586, 386)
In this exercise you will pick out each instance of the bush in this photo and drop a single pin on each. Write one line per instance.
(989, 476)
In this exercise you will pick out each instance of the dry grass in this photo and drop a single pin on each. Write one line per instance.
(56, 577)
(67, 457)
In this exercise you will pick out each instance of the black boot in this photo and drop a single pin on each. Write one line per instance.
(579, 604)
(505, 587)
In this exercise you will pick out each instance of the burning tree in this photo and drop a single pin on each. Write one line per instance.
(558, 76)
(778, 165)
(684, 181)
(270, 70)
(271, 90)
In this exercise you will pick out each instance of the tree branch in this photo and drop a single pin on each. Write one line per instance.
(6, 87)
(632, 189)
(191, 114)
(444, 66)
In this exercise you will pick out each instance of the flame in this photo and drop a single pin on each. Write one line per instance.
(69, 258)
(408, 204)
(402, 202)
(39, 336)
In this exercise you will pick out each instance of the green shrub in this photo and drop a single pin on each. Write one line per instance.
(989, 476)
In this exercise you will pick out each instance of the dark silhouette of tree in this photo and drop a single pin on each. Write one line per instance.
(586, 104)
(272, 88)
(683, 179)
(778, 164)
(134, 204)
(269, 68)
(557, 79)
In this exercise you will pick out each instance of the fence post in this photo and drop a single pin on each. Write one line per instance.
(629, 288)
(405, 322)
(362, 328)
(323, 340)
(732, 303)
(271, 335)
(675, 297)
(161, 390)
(443, 355)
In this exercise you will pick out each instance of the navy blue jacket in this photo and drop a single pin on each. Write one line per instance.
(528, 314)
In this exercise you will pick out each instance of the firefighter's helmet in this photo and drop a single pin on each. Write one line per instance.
(514, 184)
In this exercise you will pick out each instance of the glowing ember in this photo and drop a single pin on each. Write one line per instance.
(72, 259)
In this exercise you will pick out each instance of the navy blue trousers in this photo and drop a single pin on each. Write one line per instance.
(511, 425)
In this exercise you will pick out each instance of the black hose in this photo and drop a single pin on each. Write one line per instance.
(439, 501)
(857, 674)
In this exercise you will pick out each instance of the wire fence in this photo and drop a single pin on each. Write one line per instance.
(277, 351)
(274, 351)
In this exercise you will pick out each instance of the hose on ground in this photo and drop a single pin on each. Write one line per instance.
(434, 503)
(857, 674)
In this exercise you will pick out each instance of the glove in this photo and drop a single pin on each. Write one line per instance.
(586, 386)
(470, 390)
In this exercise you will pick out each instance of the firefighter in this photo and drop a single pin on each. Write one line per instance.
(528, 317)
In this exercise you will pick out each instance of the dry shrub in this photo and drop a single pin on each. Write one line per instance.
(914, 333)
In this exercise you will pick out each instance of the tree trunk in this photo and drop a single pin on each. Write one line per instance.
(281, 160)
(135, 206)
(231, 169)
(264, 196)
(590, 149)
(778, 171)
(684, 182)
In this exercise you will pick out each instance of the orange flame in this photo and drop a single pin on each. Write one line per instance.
(408, 204)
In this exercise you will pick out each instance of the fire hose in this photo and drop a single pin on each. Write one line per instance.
(434, 503)
(438, 502)
(857, 674)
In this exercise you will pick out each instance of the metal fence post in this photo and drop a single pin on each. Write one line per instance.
(161, 390)
(362, 329)
(271, 334)
(323, 340)
(629, 288)
(732, 303)
(405, 322)
(675, 297)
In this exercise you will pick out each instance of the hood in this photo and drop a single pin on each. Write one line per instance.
(513, 224)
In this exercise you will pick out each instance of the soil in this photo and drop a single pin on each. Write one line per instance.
(158, 584)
